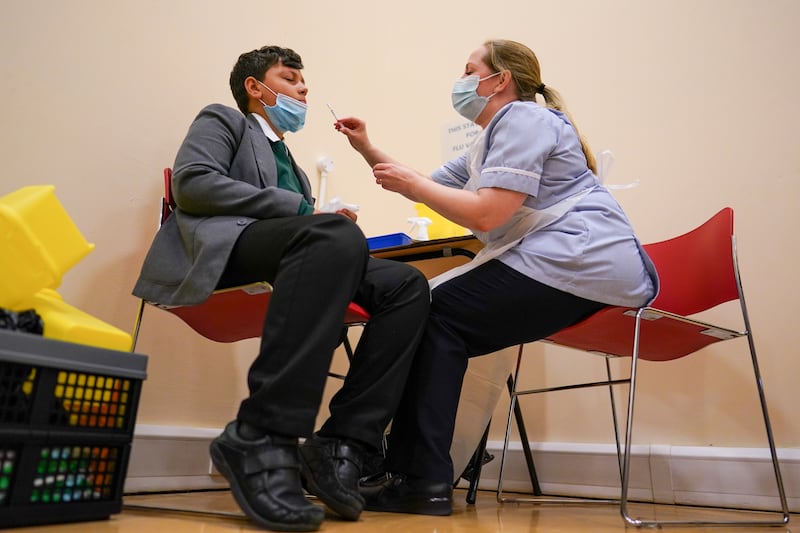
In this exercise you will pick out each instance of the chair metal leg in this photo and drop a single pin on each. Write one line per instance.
(477, 458)
(768, 428)
(761, 395)
(515, 411)
(513, 400)
(637, 522)
(348, 348)
(626, 467)
(477, 466)
(614, 417)
(526, 445)
(137, 325)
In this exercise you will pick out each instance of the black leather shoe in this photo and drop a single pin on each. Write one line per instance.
(331, 468)
(400, 494)
(264, 475)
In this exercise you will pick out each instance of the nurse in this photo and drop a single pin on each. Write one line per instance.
(558, 248)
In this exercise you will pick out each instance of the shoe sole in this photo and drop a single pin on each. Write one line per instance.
(220, 464)
(342, 509)
(443, 508)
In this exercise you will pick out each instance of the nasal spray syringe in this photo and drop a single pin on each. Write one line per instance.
(333, 112)
(419, 228)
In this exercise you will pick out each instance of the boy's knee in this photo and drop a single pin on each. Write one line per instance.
(338, 238)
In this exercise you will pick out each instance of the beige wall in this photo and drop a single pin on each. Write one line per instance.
(697, 99)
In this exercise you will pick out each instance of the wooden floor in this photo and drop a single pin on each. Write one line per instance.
(216, 512)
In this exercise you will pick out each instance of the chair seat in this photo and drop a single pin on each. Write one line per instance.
(220, 317)
(663, 337)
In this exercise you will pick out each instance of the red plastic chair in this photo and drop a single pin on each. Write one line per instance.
(697, 271)
(236, 313)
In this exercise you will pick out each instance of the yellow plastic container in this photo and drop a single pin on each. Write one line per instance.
(440, 227)
(39, 243)
(67, 323)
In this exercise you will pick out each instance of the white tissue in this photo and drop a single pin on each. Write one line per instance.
(336, 204)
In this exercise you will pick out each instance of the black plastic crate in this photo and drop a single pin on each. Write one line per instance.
(67, 413)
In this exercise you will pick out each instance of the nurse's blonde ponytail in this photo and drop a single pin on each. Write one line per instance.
(526, 73)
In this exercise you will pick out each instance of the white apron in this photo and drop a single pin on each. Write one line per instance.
(486, 377)
(523, 222)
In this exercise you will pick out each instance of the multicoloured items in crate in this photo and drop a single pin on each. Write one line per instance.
(67, 413)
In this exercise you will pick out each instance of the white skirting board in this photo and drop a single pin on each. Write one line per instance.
(166, 458)
(687, 475)
(171, 458)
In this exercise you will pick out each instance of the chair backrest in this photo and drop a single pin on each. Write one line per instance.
(167, 202)
(696, 270)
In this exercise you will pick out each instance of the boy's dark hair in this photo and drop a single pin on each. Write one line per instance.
(256, 63)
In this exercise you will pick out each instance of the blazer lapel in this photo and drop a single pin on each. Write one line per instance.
(262, 153)
(265, 160)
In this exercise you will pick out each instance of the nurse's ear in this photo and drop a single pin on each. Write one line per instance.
(506, 79)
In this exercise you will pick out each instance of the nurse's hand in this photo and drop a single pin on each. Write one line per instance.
(355, 130)
(397, 178)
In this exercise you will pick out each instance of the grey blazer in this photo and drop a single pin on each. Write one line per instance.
(224, 178)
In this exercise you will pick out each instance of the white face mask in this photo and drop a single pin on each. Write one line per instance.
(466, 100)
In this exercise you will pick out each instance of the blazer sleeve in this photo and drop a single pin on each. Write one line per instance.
(219, 171)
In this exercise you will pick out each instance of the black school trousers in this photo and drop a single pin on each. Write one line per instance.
(317, 265)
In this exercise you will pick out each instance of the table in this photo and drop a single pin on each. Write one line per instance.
(434, 256)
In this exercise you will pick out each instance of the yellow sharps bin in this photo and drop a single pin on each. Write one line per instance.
(39, 243)
(440, 227)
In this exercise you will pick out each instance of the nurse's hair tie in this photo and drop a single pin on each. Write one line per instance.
(540, 90)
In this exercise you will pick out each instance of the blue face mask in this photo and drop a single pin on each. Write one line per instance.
(287, 114)
(466, 100)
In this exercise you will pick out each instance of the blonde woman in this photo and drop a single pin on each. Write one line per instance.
(558, 248)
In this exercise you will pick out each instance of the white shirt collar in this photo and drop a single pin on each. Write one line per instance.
(271, 135)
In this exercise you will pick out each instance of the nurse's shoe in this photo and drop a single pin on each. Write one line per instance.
(398, 493)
